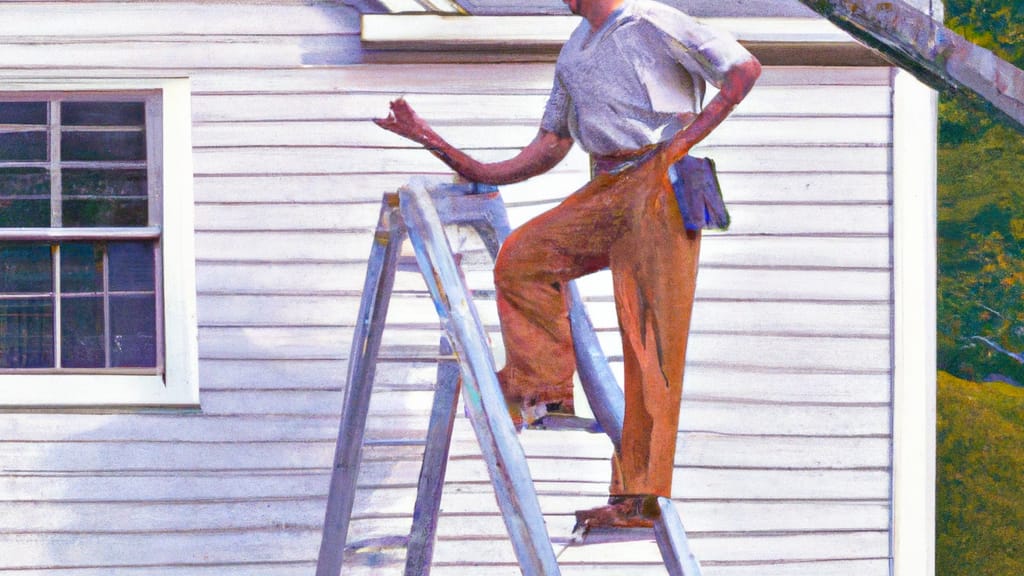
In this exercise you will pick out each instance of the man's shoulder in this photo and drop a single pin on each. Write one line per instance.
(656, 11)
(668, 20)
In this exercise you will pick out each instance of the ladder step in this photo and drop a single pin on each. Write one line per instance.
(561, 422)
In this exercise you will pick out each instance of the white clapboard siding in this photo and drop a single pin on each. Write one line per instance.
(783, 460)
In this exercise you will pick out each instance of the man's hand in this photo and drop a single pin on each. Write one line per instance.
(406, 123)
(546, 150)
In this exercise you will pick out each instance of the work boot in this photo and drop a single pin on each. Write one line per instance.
(639, 511)
(527, 415)
(527, 411)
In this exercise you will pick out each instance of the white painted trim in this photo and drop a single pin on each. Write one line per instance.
(181, 331)
(542, 31)
(915, 109)
(179, 386)
(403, 6)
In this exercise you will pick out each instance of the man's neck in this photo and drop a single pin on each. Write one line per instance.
(597, 11)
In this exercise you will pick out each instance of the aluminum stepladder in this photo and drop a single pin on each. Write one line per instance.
(419, 212)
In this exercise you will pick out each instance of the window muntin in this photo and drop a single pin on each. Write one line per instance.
(80, 241)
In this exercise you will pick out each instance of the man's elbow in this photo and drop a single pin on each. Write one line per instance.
(740, 79)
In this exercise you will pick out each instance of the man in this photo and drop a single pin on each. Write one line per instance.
(628, 87)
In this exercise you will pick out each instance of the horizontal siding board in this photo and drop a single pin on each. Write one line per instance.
(462, 78)
(469, 511)
(355, 188)
(469, 78)
(808, 568)
(344, 280)
(709, 415)
(589, 464)
(479, 511)
(751, 548)
(299, 568)
(786, 220)
(746, 219)
(153, 485)
(790, 285)
(297, 545)
(800, 318)
(189, 485)
(46, 428)
(697, 416)
(191, 20)
(822, 353)
(803, 187)
(235, 415)
(330, 188)
(702, 382)
(847, 101)
(821, 219)
(820, 568)
(289, 216)
(717, 250)
(268, 546)
(805, 568)
(747, 131)
(184, 54)
(290, 246)
(320, 159)
(293, 374)
(781, 252)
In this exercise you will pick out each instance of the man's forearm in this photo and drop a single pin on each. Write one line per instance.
(736, 86)
(542, 154)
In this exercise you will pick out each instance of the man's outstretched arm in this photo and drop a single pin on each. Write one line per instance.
(542, 154)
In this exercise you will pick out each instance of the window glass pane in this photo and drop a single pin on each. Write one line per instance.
(26, 308)
(24, 198)
(82, 332)
(105, 198)
(23, 113)
(103, 146)
(23, 146)
(81, 268)
(26, 333)
(132, 331)
(131, 266)
(107, 315)
(103, 113)
(25, 268)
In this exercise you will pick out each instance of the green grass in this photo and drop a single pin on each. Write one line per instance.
(980, 484)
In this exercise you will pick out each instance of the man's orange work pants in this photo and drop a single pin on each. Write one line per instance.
(629, 222)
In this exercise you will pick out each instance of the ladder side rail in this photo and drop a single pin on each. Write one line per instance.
(672, 541)
(606, 399)
(485, 212)
(506, 461)
(380, 277)
(422, 536)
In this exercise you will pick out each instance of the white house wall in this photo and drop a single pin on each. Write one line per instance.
(785, 441)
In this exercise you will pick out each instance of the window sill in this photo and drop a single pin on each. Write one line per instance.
(94, 390)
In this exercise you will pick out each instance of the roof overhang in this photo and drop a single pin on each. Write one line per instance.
(775, 41)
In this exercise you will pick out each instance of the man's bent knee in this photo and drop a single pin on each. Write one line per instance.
(514, 263)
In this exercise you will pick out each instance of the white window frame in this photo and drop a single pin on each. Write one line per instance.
(178, 386)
